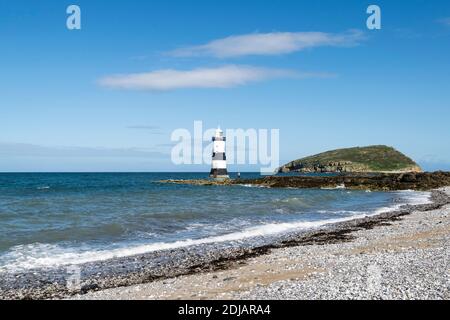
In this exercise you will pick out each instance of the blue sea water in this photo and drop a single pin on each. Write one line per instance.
(48, 219)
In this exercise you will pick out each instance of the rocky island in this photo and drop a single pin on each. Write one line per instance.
(378, 158)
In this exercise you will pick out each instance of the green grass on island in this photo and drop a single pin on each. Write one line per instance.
(378, 158)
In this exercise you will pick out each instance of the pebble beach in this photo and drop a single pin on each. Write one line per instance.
(406, 257)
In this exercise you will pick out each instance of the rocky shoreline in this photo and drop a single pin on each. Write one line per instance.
(383, 182)
(149, 267)
(358, 181)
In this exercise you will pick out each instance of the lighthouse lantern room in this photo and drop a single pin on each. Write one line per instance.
(219, 159)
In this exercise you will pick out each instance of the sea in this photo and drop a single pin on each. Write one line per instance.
(55, 219)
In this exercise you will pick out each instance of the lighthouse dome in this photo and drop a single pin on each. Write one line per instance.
(219, 132)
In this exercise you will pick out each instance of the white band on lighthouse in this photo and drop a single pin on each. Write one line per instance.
(219, 159)
(219, 164)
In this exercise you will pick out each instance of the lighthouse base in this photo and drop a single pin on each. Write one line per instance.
(219, 174)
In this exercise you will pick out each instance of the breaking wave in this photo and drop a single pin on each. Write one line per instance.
(38, 255)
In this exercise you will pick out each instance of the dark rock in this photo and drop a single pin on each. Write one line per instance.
(382, 181)
(89, 287)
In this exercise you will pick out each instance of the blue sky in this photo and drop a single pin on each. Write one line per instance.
(311, 69)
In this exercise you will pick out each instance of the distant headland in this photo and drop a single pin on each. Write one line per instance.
(377, 158)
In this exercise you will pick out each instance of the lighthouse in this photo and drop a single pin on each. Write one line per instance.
(219, 159)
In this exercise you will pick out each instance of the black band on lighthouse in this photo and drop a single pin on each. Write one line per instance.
(219, 156)
(218, 172)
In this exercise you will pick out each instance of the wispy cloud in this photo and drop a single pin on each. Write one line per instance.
(166, 145)
(144, 127)
(150, 129)
(32, 150)
(445, 21)
(274, 43)
(407, 33)
(221, 77)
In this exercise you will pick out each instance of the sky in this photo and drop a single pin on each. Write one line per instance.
(107, 97)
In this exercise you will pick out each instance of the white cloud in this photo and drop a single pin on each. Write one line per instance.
(221, 77)
(144, 127)
(274, 43)
(445, 21)
(154, 130)
(32, 150)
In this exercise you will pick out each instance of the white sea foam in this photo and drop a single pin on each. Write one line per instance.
(415, 198)
(252, 186)
(47, 256)
(349, 212)
(292, 200)
(341, 186)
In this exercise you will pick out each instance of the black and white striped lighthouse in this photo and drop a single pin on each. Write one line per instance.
(219, 159)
